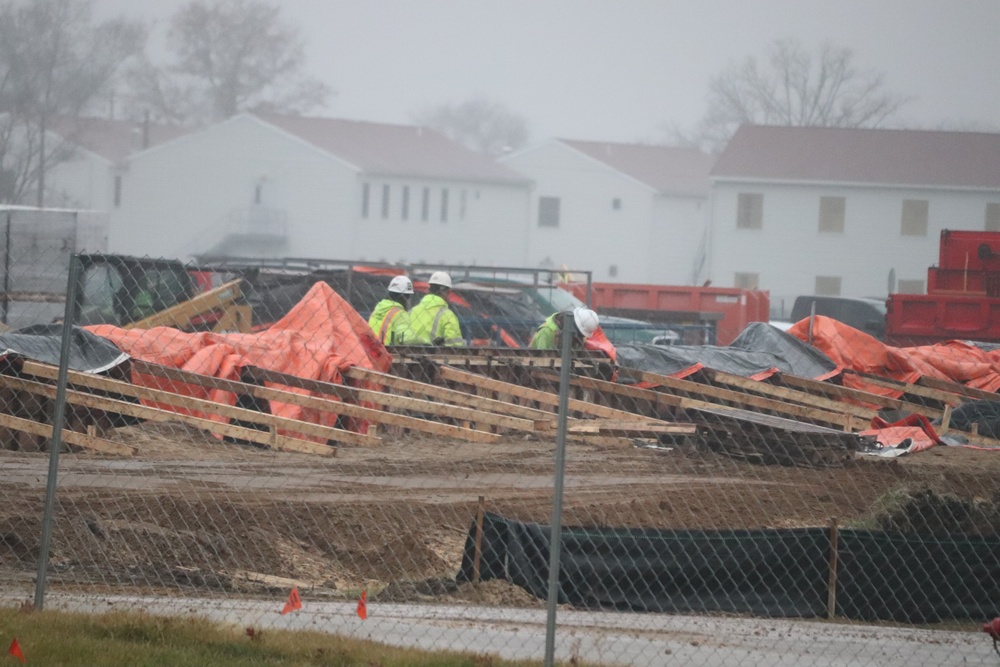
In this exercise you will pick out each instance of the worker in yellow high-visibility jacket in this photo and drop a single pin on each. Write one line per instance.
(549, 335)
(432, 321)
(390, 321)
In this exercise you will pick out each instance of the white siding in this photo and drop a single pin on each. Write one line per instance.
(180, 200)
(789, 251)
(85, 181)
(491, 233)
(651, 238)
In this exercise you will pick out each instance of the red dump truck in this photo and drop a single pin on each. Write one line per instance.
(963, 294)
(722, 311)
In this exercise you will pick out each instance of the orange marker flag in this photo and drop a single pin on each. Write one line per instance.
(294, 602)
(15, 650)
(363, 605)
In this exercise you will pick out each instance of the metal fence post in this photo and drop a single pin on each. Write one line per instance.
(58, 417)
(557, 492)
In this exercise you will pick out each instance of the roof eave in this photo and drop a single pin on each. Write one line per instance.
(851, 184)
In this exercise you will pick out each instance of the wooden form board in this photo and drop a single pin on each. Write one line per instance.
(94, 402)
(703, 392)
(315, 402)
(203, 406)
(84, 440)
(445, 395)
(393, 401)
(543, 397)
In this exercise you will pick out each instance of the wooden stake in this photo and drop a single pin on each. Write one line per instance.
(477, 554)
(831, 595)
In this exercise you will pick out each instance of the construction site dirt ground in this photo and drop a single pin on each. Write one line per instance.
(193, 515)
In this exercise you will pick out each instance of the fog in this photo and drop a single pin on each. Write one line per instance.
(619, 71)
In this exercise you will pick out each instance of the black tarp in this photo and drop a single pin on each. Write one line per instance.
(758, 572)
(759, 348)
(42, 342)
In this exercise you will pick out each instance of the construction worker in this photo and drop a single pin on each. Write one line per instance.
(389, 320)
(432, 321)
(549, 335)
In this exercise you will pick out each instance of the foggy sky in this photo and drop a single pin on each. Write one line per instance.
(619, 70)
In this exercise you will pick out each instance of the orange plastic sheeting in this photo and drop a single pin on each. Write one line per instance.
(953, 361)
(599, 341)
(318, 339)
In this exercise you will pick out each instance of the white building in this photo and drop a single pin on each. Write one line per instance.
(91, 177)
(627, 212)
(285, 186)
(850, 212)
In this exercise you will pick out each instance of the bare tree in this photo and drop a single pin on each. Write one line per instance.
(795, 88)
(53, 62)
(479, 123)
(228, 56)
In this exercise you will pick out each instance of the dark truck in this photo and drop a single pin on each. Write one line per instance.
(864, 314)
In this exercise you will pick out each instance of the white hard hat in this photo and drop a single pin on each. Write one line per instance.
(401, 285)
(440, 278)
(586, 321)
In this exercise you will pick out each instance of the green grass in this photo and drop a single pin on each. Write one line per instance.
(131, 639)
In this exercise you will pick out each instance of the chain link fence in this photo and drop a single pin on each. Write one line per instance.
(234, 441)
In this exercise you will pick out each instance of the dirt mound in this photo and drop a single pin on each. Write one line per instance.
(927, 512)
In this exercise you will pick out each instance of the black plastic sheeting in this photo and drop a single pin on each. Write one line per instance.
(769, 573)
(759, 348)
(42, 342)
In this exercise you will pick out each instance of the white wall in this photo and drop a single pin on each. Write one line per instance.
(651, 239)
(789, 251)
(492, 231)
(178, 198)
(84, 181)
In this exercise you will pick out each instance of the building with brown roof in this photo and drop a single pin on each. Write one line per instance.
(627, 212)
(850, 212)
(97, 148)
(319, 187)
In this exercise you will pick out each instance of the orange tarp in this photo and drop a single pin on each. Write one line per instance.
(954, 361)
(318, 339)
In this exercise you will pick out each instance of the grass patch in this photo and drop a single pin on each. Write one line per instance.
(135, 639)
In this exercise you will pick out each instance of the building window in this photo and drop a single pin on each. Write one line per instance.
(444, 204)
(385, 202)
(992, 217)
(616, 204)
(914, 219)
(118, 191)
(749, 211)
(831, 214)
(463, 204)
(828, 285)
(746, 280)
(365, 196)
(910, 287)
(425, 205)
(406, 202)
(548, 211)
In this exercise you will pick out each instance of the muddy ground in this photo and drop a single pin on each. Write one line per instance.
(191, 514)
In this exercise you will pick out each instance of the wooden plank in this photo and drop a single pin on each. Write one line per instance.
(204, 406)
(960, 389)
(86, 441)
(446, 395)
(634, 427)
(155, 414)
(315, 402)
(787, 394)
(389, 400)
(835, 390)
(688, 387)
(543, 397)
(945, 397)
